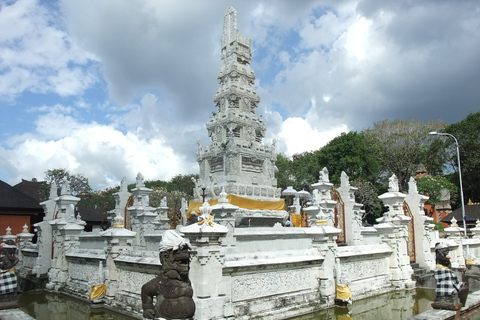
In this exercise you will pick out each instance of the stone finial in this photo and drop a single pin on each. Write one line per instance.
(65, 188)
(344, 180)
(393, 184)
(454, 222)
(323, 175)
(118, 222)
(9, 230)
(25, 228)
(53, 190)
(124, 185)
(163, 202)
(477, 224)
(412, 186)
(140, 181)
(223, 196)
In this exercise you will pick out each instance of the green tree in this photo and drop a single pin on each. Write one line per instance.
(183, 183)
(400, 146)
(78, 182)
(285, 176)
(467, 133)
(367, 194)
(350, 153)
(434, 186)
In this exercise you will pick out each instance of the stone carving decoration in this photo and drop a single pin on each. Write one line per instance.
(323, 175)
(65, 188)
(140, 181)
(267, 283)
(356, 270)
(393, 183)
(172, 288)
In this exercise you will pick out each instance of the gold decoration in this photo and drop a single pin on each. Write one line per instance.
(98, 291)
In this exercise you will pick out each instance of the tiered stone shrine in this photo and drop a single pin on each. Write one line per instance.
(237, 159)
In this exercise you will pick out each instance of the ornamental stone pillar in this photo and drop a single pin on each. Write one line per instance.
(24, 240)
(393, 230)
(422, 226)
(209, 288)
(142, 215)
(324, 240)
(455, 237)
(323, 198)
(65, 231)
(353, 211)
(118, 239)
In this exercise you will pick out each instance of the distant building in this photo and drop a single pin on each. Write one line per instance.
(18, 209)
(472, 214)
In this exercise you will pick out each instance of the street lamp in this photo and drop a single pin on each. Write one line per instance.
(435, 133)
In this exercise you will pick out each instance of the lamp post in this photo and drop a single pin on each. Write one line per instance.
(435, 133)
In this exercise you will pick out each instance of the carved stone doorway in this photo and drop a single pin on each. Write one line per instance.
(411, 233)
(339, 215)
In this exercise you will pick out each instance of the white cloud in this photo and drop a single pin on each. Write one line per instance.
(299, 136)
(100, 152)
(37, 55)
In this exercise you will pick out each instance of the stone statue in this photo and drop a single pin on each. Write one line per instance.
(140, 181)
(450, 292)
(8, 279)
(323, 175)
(393, 183)
(163, 202)
(65, 187)
(199, 146)
(172, 288)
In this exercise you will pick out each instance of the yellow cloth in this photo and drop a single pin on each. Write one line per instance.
(343, 292)
(241, 202)
(98, 291)
(469, 261)
(297, 219)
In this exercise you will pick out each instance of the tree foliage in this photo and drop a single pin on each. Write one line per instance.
(78, 182)
(350, 153)
(400, 146)
(367, 194)
(467, 133)
(433, 186)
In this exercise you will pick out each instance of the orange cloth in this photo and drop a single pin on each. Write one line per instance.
(241, 202)
(297, 219)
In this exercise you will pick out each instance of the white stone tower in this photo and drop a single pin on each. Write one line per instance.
(237, 159)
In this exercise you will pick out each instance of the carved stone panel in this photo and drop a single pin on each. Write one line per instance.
(258, 285)
(356, 270)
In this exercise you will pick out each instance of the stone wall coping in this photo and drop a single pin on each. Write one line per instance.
(260, 231)
(273, 261)
(347, 251)
(98, 254)
(139, 257)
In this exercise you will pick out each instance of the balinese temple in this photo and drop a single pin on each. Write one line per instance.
(237, 161)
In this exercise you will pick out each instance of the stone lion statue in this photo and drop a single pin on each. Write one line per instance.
(172, 288)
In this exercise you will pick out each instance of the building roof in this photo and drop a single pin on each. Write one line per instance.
(472, 213)
(32, 189)
(13, 199)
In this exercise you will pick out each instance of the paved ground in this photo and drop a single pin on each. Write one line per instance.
(14, 314)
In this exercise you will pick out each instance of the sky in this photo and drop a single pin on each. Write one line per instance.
(111, 88)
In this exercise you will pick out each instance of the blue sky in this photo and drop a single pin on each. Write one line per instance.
(116, 87)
